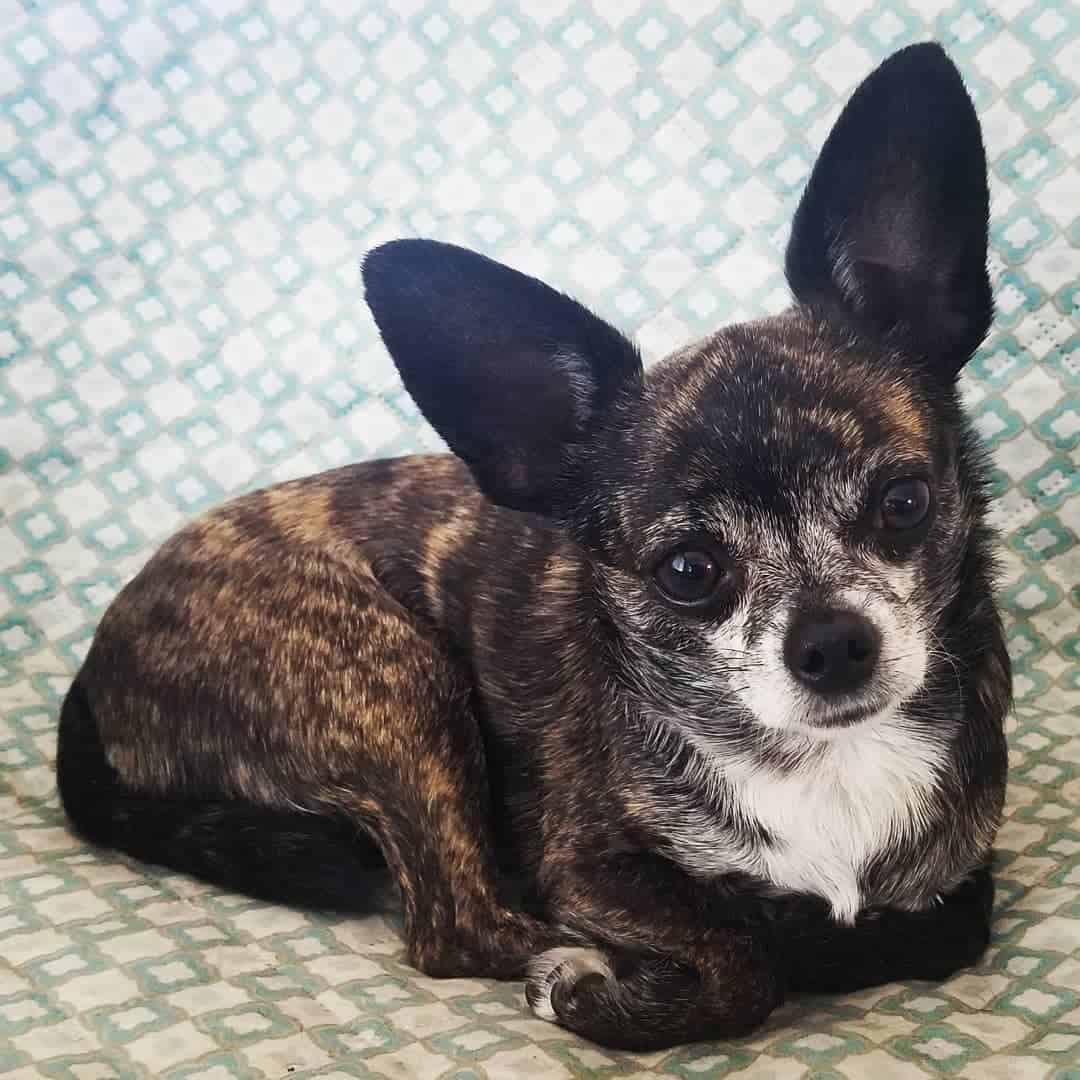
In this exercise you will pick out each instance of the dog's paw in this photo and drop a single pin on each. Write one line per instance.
(559, 971)
(950, 935)
(977, 893)
(968, 913)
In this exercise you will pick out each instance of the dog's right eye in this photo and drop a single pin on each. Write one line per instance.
(689, 576)
(905, 504)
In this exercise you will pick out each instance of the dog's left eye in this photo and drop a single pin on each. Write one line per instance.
(905, 504)
(689, 576)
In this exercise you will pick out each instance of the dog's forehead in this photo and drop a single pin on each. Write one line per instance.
(774, 416)
(783, 392)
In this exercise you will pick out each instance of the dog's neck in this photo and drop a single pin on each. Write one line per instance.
(808, 820)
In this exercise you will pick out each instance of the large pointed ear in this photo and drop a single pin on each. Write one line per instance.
(515, 376)
(891, 232)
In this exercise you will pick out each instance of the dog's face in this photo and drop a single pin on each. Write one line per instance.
(776, 516)
(779, 521)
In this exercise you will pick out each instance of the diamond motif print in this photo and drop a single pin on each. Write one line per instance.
(186, 188)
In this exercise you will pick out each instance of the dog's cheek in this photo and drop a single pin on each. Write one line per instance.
(655, 646)
(901, 581)
(727, 638)
(938, 570)
(762, 682)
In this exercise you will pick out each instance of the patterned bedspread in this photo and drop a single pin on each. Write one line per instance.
(186, 188)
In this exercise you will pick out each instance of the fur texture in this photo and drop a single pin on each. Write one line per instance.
(561, 661)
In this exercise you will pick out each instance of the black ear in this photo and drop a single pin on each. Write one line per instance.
(515, 376)
(891, 231)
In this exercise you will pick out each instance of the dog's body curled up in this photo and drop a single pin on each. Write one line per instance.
(706, 657)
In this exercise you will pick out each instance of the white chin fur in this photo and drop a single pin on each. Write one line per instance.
(869, 788)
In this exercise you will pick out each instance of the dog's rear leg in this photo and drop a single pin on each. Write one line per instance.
(423, 794)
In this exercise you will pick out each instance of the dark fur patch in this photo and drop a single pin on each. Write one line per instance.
(304, 860)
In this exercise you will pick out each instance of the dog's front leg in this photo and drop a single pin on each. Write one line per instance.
(888, 945)
(677, 959)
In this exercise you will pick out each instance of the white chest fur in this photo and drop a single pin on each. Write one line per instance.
(866, 788)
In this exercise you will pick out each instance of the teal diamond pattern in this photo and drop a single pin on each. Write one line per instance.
(186, 189)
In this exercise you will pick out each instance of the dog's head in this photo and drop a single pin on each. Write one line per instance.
(777, 516)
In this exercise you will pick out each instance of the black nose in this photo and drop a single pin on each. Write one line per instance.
(832, 651)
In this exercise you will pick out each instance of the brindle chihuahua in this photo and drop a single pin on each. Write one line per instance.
(706, 656)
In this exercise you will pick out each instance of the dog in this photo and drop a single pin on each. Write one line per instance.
(671, 692)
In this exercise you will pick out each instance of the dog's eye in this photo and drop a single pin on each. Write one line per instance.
(689, 576)
(905, 504)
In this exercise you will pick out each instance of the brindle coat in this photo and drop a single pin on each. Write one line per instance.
(458, 666)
